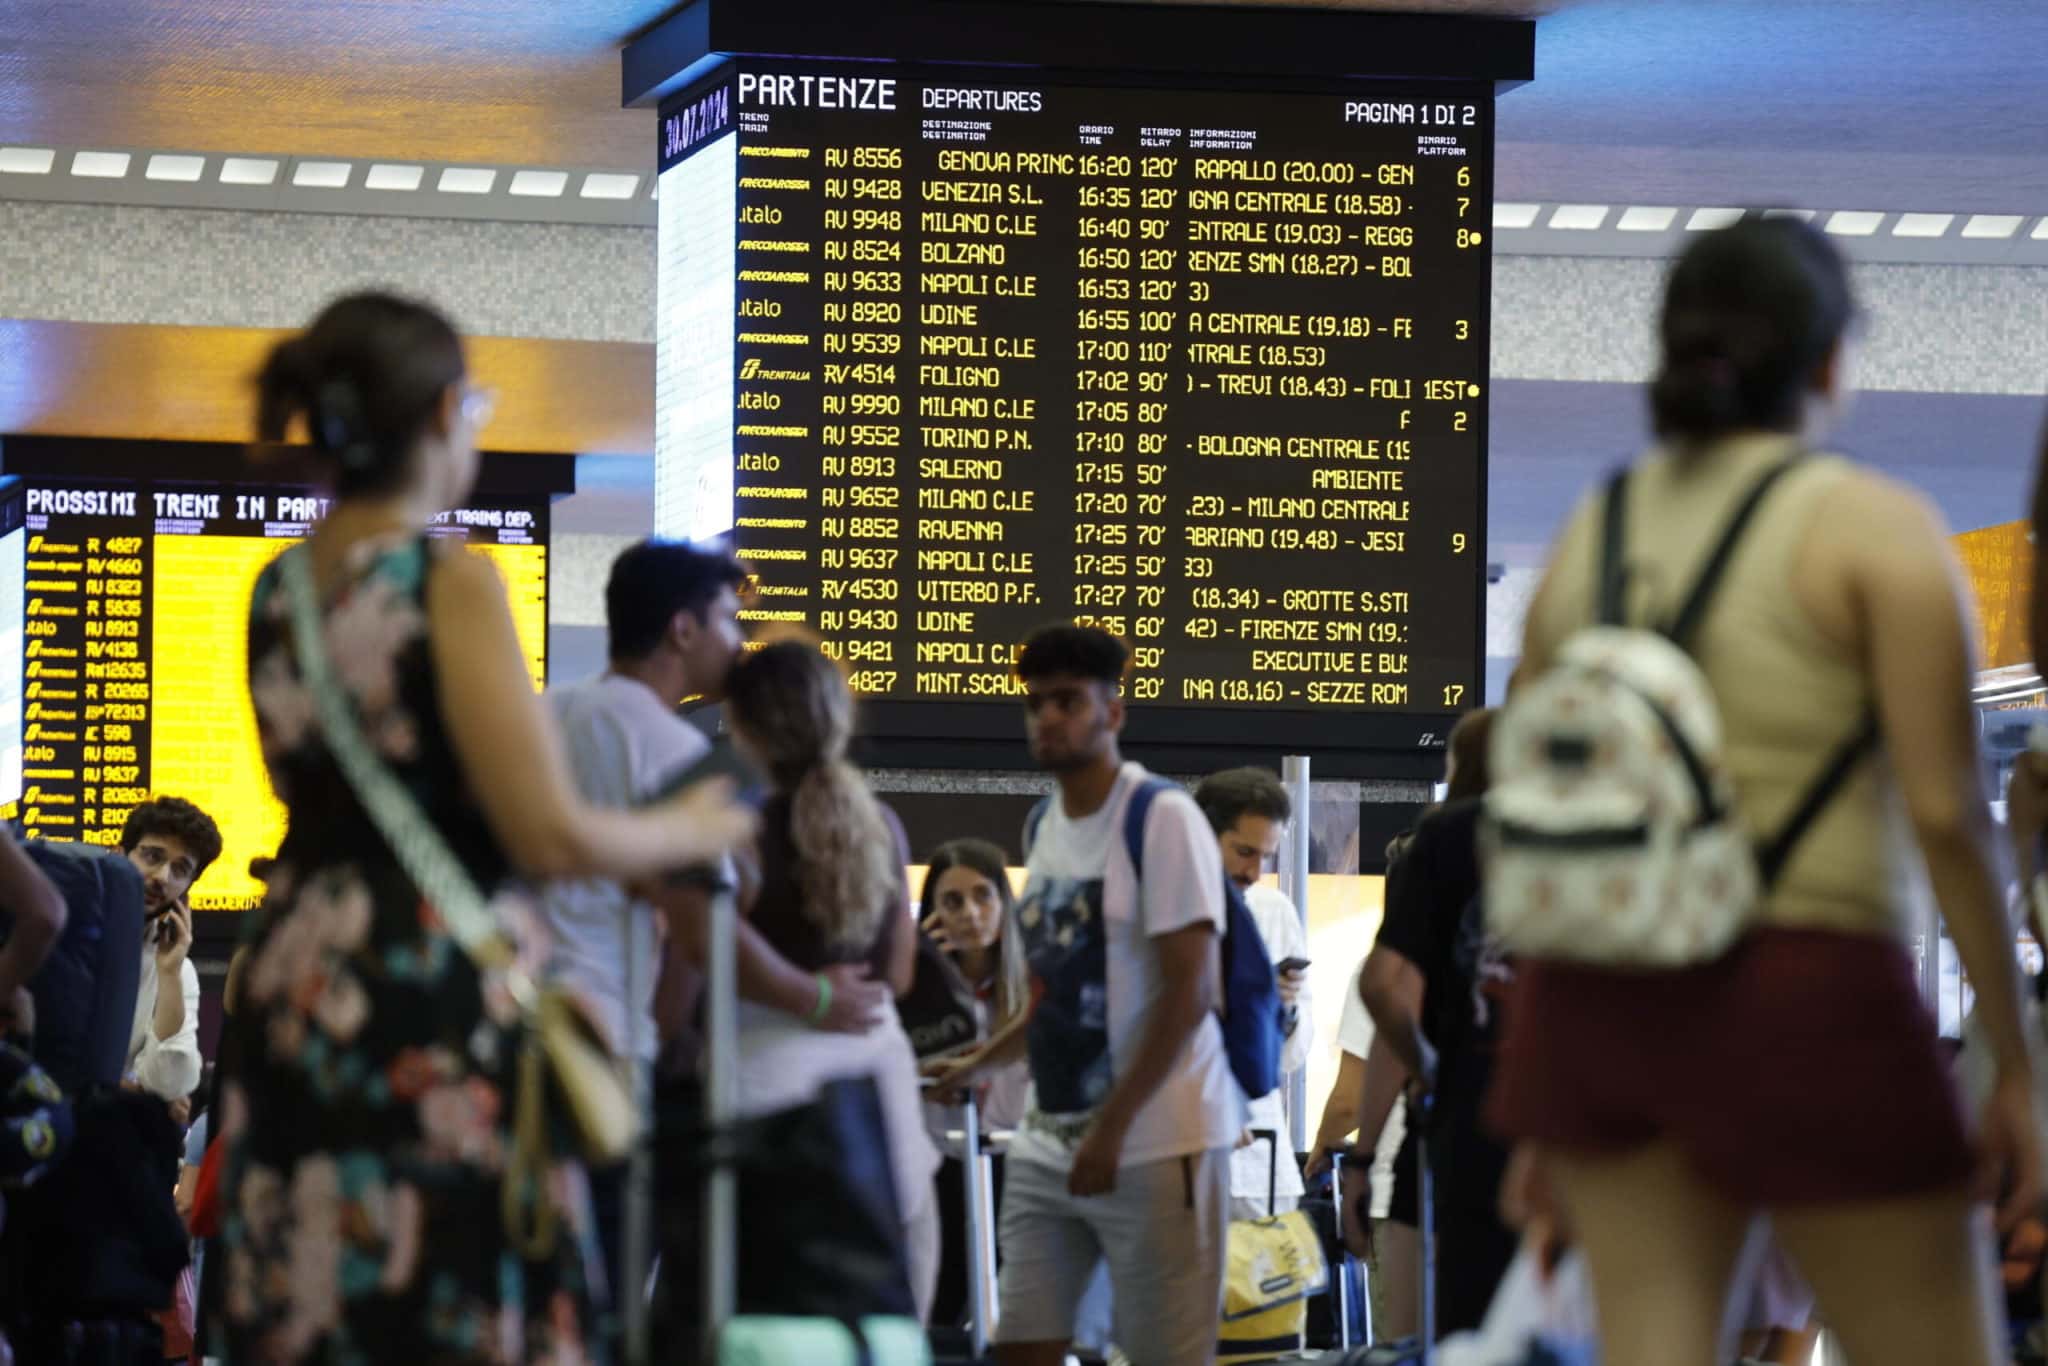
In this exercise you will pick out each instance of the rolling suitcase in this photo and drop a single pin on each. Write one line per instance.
(1341, 1317)
(972, 1343)
(726, 1338)
(1276, 1265)
(1419, 1350)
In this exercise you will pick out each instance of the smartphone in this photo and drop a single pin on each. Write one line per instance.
(1291, 965)
(161, 929)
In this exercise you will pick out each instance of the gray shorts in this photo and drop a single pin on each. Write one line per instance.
(1164, 1232)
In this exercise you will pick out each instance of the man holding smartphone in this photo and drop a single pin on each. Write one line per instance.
(1249, 810)
(171, 842)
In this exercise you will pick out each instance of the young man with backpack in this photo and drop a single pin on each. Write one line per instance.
(1124, 1153)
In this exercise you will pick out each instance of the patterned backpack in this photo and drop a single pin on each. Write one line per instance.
(1611, 835)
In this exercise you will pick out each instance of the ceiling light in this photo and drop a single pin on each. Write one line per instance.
(100, 165)
(605, 185)
(1641, 219)
(1709, 220)
(27, 160)
(321, 175)
(1923, 224)
(386, 176)
(1803, 215)
(1578, 217)
(1853, 222)
(539, 184)
(1997, 226)
(170, 166)
(248, 171)
(467, 180)
(1516, 215)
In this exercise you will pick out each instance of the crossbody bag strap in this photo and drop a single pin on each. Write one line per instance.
(417, 845)
(1685, 623)
(1611, 605)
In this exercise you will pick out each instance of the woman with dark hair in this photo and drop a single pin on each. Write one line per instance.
(1795, 1079)
(831, 891)
(369, 1117)
(965, 902)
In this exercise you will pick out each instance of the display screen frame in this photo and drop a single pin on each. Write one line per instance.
(945, 733)
(520, 483)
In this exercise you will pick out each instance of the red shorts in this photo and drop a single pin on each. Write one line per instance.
(1802, 1068)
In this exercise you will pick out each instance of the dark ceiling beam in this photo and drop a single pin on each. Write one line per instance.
(1296, 44)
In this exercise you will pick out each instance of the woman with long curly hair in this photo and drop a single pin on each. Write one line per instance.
(831, 891)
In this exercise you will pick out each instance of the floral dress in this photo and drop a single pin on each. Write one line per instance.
(369, 1122)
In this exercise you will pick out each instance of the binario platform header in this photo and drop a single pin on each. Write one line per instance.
(1204, 366)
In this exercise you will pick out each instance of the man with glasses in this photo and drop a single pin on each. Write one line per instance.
(171, 842)
(1249, 810)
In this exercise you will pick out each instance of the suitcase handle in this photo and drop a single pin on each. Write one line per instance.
(1272, 1139)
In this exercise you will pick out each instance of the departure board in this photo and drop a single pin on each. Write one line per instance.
(955, 353)
(134, 678)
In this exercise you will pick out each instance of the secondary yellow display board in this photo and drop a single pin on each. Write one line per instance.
(202, 742)
(135, 667)
(205, 746)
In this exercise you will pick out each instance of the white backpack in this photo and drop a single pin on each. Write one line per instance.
(1611, 835)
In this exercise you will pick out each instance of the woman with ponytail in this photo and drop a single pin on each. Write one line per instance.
(1795, 1083)
(368, 1121)
(831, 892)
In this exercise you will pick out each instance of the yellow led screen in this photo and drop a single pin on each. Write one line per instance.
(135, 673)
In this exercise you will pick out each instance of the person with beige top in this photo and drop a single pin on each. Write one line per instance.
(1793, 1083)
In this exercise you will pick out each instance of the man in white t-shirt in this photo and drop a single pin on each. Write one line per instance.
(1124, 1152)
(1249, 810)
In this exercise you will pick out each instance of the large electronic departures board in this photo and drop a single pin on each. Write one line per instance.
(134, 682)
(955, 352)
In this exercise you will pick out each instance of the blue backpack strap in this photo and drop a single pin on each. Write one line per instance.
(1135, 812)
(1033, 821)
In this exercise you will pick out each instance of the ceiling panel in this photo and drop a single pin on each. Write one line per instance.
(1881, 104)
(1894, 104)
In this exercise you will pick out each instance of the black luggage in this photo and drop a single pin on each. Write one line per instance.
(938, 1013)
(1419, 1350)
(93, 1250)
(1340, 1317)
(85, 992)
(969, 1343)
(836, 1283)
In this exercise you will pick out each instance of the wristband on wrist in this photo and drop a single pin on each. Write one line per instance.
(818, 1011)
